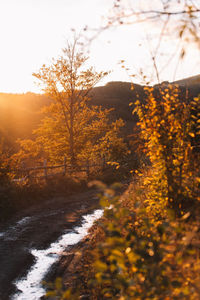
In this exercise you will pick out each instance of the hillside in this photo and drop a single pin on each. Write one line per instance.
(118, 95)
(190, 81)
(20, 113)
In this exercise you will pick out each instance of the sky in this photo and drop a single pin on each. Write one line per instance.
(34, 31)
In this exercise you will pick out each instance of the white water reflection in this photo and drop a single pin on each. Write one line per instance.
(30, 287)
(12, 232)
(24, 221)
(2, 234)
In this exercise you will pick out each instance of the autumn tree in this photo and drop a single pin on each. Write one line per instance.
(72, 127)
(169, 125)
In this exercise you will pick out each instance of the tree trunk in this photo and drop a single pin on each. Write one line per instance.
(71, 133)
(71, 147)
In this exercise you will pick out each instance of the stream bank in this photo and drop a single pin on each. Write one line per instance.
(37, 228)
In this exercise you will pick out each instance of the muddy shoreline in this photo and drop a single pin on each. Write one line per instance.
(70, 266)
(42, 226)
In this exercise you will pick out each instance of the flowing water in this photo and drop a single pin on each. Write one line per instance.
(30, 287)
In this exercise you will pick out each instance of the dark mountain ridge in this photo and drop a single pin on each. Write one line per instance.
(19, 113)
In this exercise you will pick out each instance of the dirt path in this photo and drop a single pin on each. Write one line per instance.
(37, 228)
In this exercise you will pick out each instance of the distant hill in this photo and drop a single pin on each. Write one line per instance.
(118, 95)
(190, 81)
(19, 113)
(190, 84)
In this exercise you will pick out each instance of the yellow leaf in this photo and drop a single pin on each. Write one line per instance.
(128, 250)
(192, 134)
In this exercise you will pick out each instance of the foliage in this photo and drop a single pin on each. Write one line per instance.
(58, 293)
(142, 258)
(92, 131)
(4, 164)
(71, 127)
(169, 126)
